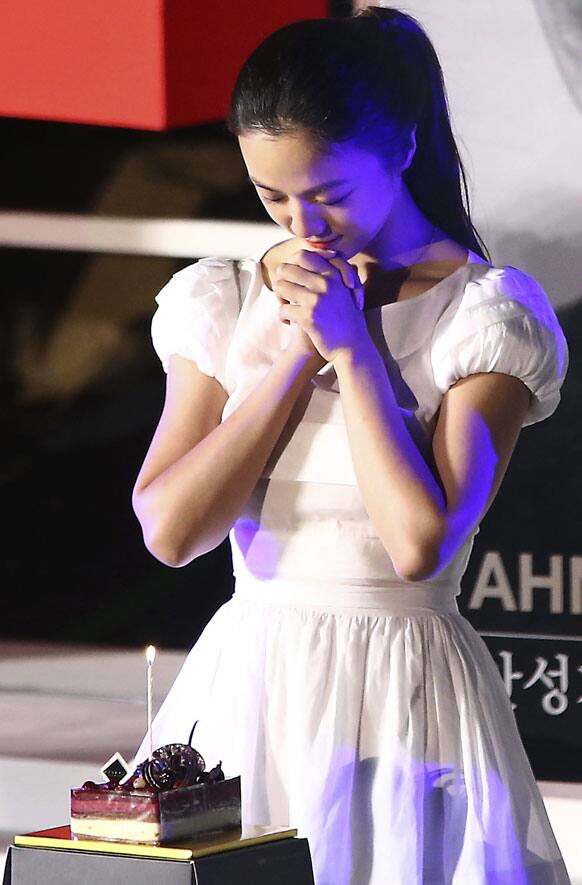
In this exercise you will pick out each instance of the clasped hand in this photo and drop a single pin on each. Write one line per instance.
(320, 294)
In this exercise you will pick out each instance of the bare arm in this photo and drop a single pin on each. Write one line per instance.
(198, 472)
(422, 517)
(423, 520)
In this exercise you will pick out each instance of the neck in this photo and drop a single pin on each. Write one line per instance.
(407, 237)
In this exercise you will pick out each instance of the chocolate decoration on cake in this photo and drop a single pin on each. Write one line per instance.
(158, 775)
(173, 766)
(115, 769)
(192, 733)
(216, 774)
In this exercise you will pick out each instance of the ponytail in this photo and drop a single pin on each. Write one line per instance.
(436, 177)
(371, 79)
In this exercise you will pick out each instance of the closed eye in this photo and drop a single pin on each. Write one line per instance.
(318, 202)
(334, 202)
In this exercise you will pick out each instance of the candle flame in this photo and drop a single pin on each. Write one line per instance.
(150, 654)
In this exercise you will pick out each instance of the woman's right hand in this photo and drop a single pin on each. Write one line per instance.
(300, 344)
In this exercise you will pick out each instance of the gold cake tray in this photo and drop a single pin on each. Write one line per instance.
(60, 838)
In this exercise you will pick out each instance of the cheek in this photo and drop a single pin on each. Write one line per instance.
(364, 215)
(275, 211)
(374, 207)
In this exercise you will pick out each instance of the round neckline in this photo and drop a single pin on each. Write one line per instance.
(423, 295)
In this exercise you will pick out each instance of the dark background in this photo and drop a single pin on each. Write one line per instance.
(75, 567)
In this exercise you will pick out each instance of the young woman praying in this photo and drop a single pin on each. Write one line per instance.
(344, 407)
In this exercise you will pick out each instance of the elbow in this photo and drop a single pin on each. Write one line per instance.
(164, 549)
(416, 569)
(163, 544)
(422, 558)
(174, 554)
(428, 556)
(157, 538)
(173, 547)
(168, 556)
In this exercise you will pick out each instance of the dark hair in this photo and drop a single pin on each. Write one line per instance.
(370, 78)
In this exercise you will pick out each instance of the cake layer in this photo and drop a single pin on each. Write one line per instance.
(105, 803)
(112, 830)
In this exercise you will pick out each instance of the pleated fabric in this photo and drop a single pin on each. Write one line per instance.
(382, 732)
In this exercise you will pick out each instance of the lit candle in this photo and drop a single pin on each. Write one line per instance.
(150, 658)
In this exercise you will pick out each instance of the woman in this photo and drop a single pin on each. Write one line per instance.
(346, 407)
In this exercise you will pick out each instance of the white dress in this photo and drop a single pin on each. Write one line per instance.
(360, 708)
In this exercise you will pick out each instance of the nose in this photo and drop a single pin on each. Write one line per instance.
(306, 221)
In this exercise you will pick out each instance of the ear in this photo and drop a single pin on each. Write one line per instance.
(411, 151)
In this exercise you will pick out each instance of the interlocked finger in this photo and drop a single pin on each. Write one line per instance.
(291, 313)
(301, 276)
(294, 293)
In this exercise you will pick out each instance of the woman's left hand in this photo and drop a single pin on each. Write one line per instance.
(322, 294)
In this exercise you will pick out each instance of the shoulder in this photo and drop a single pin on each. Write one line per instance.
(210, 283)
(196, 279)
(493, 294)
(198, 308)
(503, 321)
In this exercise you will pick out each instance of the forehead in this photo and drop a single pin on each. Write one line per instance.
(293, 163)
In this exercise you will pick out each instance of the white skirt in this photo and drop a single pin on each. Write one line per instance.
(377, 724)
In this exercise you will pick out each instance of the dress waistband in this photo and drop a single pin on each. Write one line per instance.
(386, 600)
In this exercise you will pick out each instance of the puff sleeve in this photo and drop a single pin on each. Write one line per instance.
(196, 315)
(504, 323)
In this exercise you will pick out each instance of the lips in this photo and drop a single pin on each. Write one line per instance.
(323, 244)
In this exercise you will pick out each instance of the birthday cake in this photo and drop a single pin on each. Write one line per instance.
(170, 797)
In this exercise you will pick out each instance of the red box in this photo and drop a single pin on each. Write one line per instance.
(140, 64)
